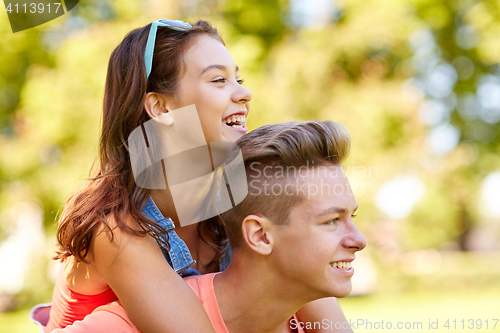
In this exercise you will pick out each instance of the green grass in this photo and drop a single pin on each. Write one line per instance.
(17, 322)
(425, 308)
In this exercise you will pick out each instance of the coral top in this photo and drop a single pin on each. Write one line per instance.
(68, 306)
(203, 287)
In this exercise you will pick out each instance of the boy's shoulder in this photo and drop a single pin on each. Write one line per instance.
(202, 285)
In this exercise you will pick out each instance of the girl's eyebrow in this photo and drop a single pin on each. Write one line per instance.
(221, 67)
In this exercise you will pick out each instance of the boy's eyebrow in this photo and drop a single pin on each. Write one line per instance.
(334, 210)
(221, 67)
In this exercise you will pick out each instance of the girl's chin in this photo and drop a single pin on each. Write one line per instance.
(232, 134)
(242, 129)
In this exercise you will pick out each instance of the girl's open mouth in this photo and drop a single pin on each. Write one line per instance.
(235, 121)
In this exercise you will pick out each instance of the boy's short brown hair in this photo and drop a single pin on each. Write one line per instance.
(273, 157)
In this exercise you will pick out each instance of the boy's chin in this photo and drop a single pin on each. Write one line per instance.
(343, 294)
(341, 291)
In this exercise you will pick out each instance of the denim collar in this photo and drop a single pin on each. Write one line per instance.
(178, 256)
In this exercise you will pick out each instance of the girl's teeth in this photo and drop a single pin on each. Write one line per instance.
(235, 119)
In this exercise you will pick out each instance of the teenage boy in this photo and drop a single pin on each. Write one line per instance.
(292, 237)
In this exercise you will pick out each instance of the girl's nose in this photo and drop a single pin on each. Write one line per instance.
(242, 95)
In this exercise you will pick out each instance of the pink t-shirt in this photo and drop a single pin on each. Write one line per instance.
(203, 287)
(113, 318)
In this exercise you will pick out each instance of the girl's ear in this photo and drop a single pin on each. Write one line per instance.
(257, 234)
(156, 107)
(154, 104)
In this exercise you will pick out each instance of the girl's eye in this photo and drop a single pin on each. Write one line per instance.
(219, 80)
(353, 215)
(240, 81)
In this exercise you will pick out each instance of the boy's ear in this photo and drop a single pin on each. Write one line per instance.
(257, 234)
(157, 105)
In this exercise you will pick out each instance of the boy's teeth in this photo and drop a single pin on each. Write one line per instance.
(345, 265)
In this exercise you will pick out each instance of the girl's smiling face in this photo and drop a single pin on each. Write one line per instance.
(210, 80)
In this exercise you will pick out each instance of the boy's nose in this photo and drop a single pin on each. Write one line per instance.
(355, 240)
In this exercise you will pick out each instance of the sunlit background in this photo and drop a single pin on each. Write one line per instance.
(417, 83)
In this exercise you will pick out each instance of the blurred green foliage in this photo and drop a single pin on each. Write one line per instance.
(366, 66)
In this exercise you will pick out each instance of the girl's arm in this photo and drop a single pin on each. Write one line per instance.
(327, 312)
(153, 294)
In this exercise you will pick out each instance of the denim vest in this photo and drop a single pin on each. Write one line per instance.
(178, 256)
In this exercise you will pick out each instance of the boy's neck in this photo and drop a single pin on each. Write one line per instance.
(251, 300)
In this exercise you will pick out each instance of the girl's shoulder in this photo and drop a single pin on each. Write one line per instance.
(82, 278)
(115, 232)
(120, 240)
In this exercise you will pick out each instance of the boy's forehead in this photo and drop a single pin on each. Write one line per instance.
(324, 190)
(330, 173)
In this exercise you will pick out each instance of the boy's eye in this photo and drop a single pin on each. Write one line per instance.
(353, 215)
(333, 221)
(240, 81)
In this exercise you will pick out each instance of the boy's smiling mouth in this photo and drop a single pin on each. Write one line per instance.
(343, 265)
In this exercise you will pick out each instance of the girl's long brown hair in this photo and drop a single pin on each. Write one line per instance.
(111, 190)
